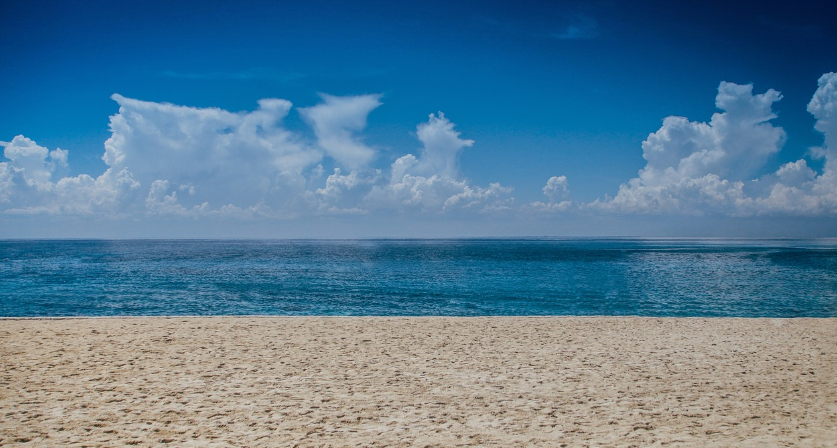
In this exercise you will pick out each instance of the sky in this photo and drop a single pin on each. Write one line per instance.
(366, 119)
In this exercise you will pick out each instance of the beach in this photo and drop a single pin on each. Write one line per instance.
(418, 381)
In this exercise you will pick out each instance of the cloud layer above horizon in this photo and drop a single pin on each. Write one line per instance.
(166, 159)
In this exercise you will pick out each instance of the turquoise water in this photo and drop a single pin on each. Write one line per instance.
(468, 277)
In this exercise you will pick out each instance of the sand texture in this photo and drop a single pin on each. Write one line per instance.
(418, 382)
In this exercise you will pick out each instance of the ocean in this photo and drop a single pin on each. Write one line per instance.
(455, 277)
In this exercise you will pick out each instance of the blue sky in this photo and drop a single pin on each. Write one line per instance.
(143, 120)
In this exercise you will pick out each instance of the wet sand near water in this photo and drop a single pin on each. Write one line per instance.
(418, 381)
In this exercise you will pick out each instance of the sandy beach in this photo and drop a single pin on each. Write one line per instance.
(554, 381)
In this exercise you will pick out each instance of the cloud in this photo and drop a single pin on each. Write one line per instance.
(171, 160)
(336, 122)
(440, 194)
(161, 201)
(441, 150)
(221, 157)
(344, 193)
(707, 168)
(823, 107)
(34, 164)
(27, 183)
(432, 181)
(557, 192)
(110, 192)
(733, 144)
(495, 198)
(797, 189)
(556, 188)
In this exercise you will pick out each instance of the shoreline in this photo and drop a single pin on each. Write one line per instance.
(405, 381)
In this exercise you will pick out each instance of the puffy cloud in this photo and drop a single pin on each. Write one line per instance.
(82, 194)
(344, 193)
(111, 192)
(432, 181)
(823, 107)
(27, 185)
(709, 193)
(795, 188)
(556, 188)
(218, 157)
(440, 194)
(732, 145)
(160, 201)
(493, 198)
(557, 192)
(33, 163)
(700, 168)
(335, 123)
(441, 150)
(166, 159)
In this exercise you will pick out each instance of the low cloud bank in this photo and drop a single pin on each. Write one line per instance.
(171, 160)
(166, 159)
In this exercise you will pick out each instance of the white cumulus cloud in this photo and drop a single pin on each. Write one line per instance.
(219, 157)
(33, 164)
(344, 193)
(440, 152)
(557, 192)
(432, 181)
(797, 189)
(707, 168)
(167, 159)
(824, 108)
(28, 183)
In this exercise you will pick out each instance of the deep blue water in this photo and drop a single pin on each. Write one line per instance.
(470, 277)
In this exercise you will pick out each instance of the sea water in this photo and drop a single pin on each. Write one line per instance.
(458, 277)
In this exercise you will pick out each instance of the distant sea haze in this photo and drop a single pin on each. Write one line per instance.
(459, 277)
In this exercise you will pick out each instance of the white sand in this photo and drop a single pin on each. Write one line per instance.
(418, 381)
